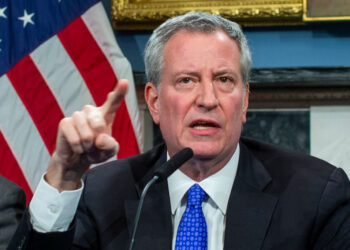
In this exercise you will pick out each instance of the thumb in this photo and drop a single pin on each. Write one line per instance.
(106, 142)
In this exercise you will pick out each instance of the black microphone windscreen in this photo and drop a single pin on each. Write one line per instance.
(174, 163)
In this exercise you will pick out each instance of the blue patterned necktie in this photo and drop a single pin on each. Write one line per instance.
(192, 230)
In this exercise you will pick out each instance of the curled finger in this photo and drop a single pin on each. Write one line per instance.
(86, 133)
(68, 138)
(96, 120)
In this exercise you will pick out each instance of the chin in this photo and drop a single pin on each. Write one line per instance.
(205, 151)
(211, 149)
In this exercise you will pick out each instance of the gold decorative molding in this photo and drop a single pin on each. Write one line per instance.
(147, 14)
(325, 10)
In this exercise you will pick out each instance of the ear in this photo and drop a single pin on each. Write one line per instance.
(151, 96)
(245, 103)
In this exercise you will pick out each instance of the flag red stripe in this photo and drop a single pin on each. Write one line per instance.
(127, 139)
(11, 169)
(89, 60)
(100, 79)
(37, 98)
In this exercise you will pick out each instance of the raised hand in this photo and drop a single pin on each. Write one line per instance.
(83, 139)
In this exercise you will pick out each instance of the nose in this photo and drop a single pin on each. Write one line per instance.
(207, 96)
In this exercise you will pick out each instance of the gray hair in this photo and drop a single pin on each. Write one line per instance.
(192, 21)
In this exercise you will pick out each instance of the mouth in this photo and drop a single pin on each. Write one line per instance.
(203, 124)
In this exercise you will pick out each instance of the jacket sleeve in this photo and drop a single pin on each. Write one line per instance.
(80, 234)
(12, 206)
(334, 209)
(27, 238)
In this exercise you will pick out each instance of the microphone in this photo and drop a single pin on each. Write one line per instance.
(173, 164)
(161, 174)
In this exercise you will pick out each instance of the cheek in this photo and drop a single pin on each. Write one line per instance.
(170, 111)
(234, 110)
(178, 103)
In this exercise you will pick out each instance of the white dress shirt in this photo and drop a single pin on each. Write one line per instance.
(218, 187)
(53, 211)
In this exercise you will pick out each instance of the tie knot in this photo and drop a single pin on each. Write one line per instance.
(196, 195)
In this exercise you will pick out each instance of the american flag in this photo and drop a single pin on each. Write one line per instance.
(55, 57)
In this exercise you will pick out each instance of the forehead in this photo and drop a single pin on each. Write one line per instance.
(187, 48)
(183, 37)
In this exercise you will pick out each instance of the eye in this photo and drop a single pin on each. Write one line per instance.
(185, 80)
(225, 79)
(225, 83)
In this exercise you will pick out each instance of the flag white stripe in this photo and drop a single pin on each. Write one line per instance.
(97, 22)
(21, 134)
(61, 75)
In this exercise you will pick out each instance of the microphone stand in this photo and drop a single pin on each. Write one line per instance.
(160, 174)
(139, 208)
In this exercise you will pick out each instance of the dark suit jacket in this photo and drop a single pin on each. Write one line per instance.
(12, 205)
(279, 200)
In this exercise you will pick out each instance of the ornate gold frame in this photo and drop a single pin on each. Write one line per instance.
(147, 14)
(308, 18)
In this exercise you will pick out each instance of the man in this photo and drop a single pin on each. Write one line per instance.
(253, 195)
(12, 205)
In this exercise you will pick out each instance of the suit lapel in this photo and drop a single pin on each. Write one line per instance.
(249, 209)
(155, 225)
(248, 215)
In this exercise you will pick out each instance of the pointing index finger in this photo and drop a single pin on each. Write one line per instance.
(114, 98)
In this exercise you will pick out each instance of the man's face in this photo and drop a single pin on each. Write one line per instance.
(201, 102)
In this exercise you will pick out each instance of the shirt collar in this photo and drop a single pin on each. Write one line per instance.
(218, 186)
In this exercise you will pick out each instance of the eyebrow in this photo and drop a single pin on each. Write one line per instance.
(223, 72)
(191, 73)
(215, 74)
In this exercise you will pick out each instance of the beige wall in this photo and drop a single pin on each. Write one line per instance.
(330, 135)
